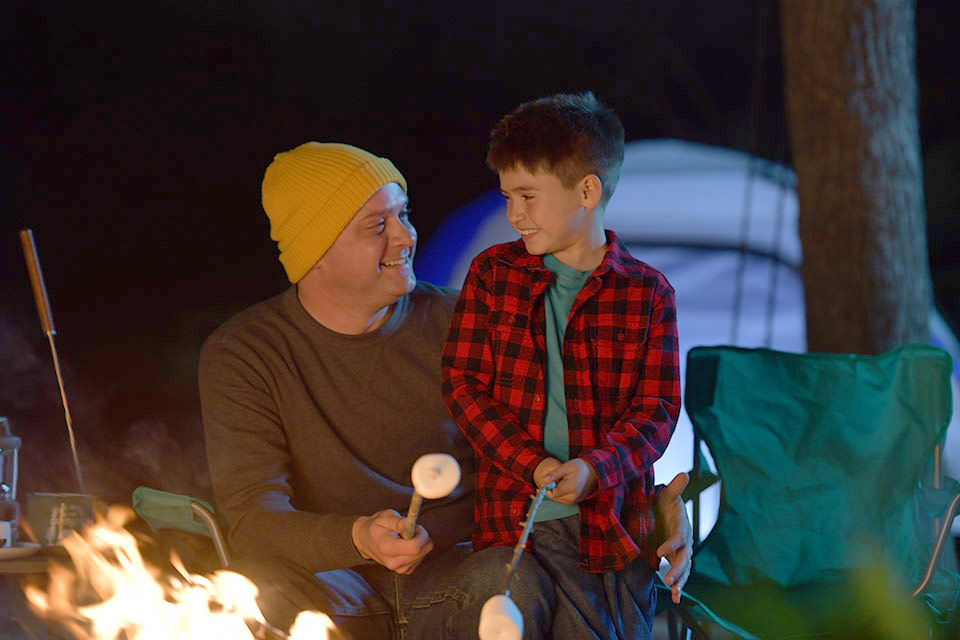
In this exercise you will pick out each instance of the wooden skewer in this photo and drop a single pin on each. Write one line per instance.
(500, 619)
(527, 528)
(46, 321)
(412, 512)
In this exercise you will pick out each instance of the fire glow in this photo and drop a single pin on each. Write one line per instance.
(113, 594)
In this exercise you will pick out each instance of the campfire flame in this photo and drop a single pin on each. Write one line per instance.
(113, 594)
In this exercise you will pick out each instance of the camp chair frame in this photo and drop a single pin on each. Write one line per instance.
(204, 518)
(213, 529)
(942, 525)
(682, 624)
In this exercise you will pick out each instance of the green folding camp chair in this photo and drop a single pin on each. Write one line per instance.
(824, 528)
(163, 510)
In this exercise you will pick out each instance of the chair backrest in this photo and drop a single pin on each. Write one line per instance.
(820, 456)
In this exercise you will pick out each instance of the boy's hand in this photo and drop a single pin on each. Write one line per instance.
(545, 467)
(379, 537)
(575, 479)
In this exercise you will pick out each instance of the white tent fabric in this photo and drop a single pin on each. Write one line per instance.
(722, 227)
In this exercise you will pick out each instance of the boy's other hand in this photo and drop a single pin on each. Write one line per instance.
(545, 467)
(575, 479)
(379, 537)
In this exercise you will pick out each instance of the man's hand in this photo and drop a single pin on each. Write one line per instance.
(673, 527)
(575, 479)
(380, 538)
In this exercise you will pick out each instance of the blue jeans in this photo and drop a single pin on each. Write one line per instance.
(442, 599)
(369, 602)
(614, 605)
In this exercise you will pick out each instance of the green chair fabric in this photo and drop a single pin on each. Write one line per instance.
(821, 457)
(164, 510)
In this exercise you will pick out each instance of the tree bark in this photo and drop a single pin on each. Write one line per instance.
(851, 95)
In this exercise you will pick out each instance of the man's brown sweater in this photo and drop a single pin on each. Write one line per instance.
(306, 429)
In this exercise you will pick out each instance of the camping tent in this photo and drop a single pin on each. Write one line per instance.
(722, 227)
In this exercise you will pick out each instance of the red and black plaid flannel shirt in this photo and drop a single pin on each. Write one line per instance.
(622, 380)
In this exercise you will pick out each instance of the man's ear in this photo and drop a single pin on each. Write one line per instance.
(590, 191)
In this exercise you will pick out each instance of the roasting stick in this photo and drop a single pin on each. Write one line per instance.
(434, 475)
(46, 321)
(500, 619)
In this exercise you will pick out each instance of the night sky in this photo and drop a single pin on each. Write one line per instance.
(135, 140)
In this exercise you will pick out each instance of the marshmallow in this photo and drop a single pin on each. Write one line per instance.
(500, 619)
(435, 475)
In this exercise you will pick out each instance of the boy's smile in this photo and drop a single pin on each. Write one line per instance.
(551, 218)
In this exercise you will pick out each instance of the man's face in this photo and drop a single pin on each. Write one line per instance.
(549, 217)
(371, 261)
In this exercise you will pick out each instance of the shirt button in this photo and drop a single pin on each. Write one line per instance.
(536, 399)
(509, 318)
(514, 511)
(620, 336)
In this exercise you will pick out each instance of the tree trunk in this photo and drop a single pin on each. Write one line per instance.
(851, 95)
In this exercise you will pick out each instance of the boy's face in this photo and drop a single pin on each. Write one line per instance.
(549, 217)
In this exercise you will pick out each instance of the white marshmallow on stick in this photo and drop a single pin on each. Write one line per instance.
(434, 475)
(500, 619)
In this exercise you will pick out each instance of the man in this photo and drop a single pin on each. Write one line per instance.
(317, 402)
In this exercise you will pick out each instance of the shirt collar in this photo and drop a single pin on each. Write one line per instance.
(516, 254)
(616, 257)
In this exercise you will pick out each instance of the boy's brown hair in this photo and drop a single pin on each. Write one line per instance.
(570, 135)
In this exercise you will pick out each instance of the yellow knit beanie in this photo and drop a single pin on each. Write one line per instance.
(311, 192)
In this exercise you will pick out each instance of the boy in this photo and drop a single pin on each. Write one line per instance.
(561, 365)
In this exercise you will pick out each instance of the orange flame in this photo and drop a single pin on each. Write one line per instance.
(113, 594)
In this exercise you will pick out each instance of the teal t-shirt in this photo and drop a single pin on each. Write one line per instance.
(563, 290)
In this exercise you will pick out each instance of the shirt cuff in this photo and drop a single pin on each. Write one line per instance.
(607, 466)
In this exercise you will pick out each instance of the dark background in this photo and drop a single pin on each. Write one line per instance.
(135, 139)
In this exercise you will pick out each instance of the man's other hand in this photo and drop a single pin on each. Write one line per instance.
(379, 537)
(673, 528)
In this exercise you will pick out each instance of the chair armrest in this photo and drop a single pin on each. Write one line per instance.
(164, 510)
(213, 529)
(942, 535)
